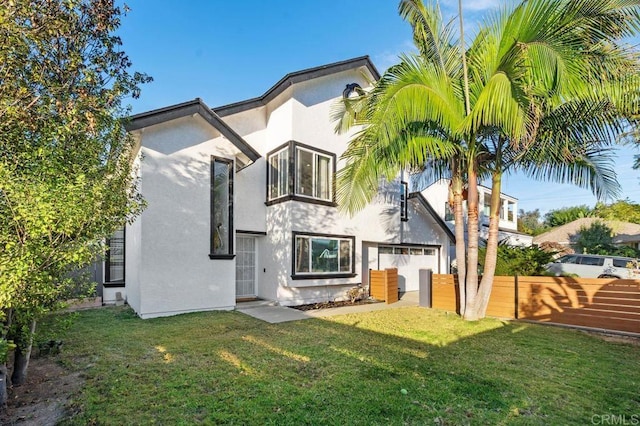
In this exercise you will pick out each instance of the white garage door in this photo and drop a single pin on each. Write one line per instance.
(408, 260)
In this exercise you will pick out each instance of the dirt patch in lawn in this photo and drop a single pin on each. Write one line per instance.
(618, 338)
(325, 305)
(43, 399)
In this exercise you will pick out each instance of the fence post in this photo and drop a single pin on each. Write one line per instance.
(425, 278)
(386, 286)
(515, 280)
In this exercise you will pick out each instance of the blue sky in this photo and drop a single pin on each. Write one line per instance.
(223, 52)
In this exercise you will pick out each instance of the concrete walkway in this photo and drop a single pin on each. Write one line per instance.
(272, 313)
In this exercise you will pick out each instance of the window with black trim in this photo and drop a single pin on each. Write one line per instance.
(317, 255)
(404, 194)
(279, 174)
(221, 208)
(115, 256)
(300, 172)
(448, 212)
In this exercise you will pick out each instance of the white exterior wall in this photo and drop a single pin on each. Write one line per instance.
(305, 118)
(249, 210)
(133, 257)
(175, 274)
(438, 195)
(168, 268)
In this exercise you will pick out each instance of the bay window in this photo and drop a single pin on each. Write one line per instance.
(317, 256)
(300, 172)
(279, 174)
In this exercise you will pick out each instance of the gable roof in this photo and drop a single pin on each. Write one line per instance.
(423, 201)
(297, 77)
(622, 231)
(185, 109)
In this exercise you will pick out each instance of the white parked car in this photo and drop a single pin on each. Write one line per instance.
(595, 266)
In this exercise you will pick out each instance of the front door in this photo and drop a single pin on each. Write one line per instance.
(245, 266)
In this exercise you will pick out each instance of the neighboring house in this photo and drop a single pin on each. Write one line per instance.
(241, 204)
(624, 233)
(438, 195)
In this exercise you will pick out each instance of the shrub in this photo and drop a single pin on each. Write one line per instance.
(520, 260)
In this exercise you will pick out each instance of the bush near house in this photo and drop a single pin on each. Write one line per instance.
(598, 239)
(526, 261)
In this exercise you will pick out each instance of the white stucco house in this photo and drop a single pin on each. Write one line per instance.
(438, 195)
(241, 204)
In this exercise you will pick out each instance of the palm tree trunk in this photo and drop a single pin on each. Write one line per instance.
(470, 312)
(461, 256)
(491, 256)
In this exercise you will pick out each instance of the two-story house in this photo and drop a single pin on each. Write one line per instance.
(241, 204)
(438, 195)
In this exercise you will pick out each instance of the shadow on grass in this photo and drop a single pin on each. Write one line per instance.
(401, 366)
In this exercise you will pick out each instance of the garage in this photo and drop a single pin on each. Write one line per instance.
(409, 260)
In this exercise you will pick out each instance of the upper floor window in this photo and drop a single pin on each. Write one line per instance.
(486, 204)
(404, 195)
(279, 174)
(297, 171)
(507, 209)
(448, 212)
(221, 208)
(511, 211)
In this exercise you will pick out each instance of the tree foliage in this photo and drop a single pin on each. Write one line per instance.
(525, 261)
(561, 216)
(66, 178)
(622, 210)
(594, 239)
(530, 222)
(598, 239)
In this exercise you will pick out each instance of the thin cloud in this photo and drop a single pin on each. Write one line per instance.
(450, 7)
(480, 5)
(384, 60)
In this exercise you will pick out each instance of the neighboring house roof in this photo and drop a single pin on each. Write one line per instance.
(297, 77)
(186, 109)
(423, 201)
(622, 231)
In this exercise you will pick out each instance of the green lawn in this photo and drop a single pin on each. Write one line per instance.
(399, 366)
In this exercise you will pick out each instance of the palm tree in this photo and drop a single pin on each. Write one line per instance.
(528, 70)
(569, 80)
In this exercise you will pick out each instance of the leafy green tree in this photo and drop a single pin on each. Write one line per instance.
(564, 215)
(524, 261)
(530, 222)
(595, 239)
(598, 239)
(66, 162)
(623, 210)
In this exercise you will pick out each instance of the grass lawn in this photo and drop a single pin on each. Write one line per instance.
(399, 366)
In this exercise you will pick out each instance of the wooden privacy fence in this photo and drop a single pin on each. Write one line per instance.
(609, 304)
(383, 285)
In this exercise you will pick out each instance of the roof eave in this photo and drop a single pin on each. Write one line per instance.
(185, 109)
(423, 201)
(297, 77)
